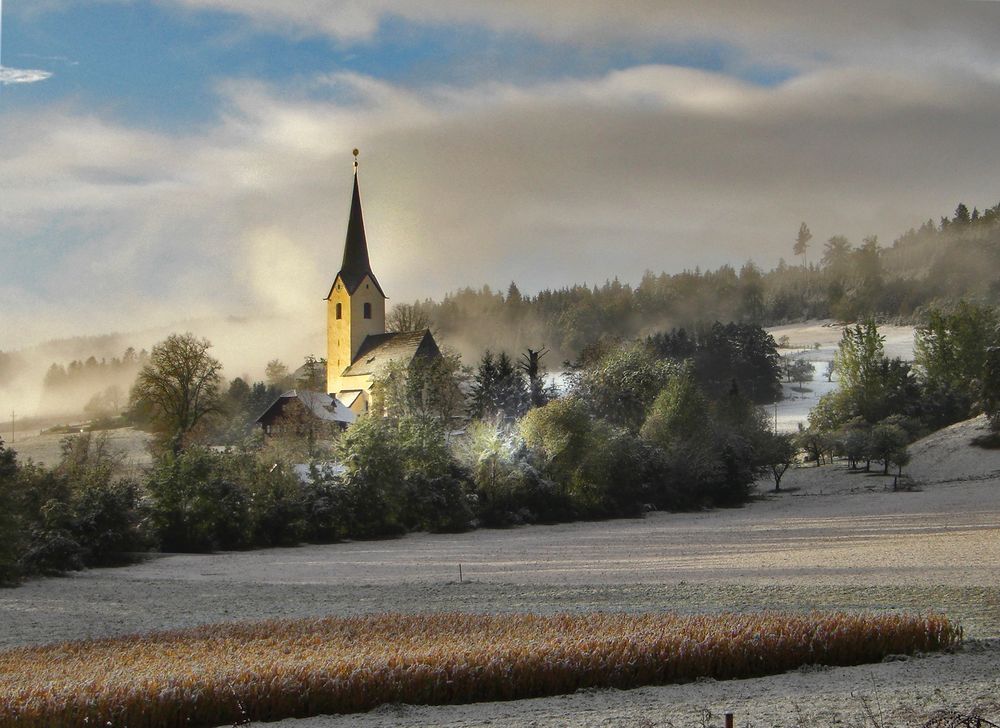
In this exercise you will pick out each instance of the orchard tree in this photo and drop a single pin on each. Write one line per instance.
(887, 442)
(179, 387)
(800, 371)
(777, 451)
(815, 443)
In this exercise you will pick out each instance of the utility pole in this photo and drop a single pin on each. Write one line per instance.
(12, 416)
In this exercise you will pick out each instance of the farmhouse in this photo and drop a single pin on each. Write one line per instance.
(358, 348)
(298, 412)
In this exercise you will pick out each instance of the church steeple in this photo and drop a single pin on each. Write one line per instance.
(355, 304)
(355, 265)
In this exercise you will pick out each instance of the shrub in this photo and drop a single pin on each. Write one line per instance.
(707, 450)
(990, 387)
(107, 522)
(509, 488)
(400, 475)
(324, 504)
(434, 482)
(374, 488)
(11, 526)
(80, 513)
(622, 384)
(195, 503)
(679, 413)
(274, 495)
(600, 469)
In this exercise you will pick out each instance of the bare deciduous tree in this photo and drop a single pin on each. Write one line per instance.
(407, 317)
(179, 385)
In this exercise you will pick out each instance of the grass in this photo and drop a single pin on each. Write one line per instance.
(270, 670)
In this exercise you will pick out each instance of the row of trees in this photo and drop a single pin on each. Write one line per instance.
(848, 281)
(636, 431)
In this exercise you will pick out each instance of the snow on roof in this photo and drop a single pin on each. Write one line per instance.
(323, 406)
(379, 350)
(326, 407)
(349, 396)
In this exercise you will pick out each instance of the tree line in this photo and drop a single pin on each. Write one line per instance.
(636, 429)
(926, 266)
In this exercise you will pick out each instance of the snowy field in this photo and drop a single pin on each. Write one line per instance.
(832, 539)
(816, 342)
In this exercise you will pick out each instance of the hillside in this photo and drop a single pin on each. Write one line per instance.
(950, 455)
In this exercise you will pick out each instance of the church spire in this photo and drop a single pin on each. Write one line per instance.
(355, 265)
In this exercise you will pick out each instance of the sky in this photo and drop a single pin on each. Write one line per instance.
(165, 161)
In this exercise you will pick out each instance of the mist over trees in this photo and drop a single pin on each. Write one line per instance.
(927, 266)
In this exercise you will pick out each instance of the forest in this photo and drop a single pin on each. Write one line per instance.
(928, 266)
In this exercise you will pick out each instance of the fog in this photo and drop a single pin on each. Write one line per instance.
(243, 346)
(858, 118)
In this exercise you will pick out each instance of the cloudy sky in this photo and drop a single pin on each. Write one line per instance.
(164, 160)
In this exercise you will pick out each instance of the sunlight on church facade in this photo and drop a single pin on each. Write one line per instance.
(357, 345)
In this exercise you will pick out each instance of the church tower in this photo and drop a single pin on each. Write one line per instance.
(355, 306)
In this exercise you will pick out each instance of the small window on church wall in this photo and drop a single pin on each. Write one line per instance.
(338, 310)
(368, 310)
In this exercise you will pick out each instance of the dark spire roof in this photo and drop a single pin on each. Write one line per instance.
(355, 265)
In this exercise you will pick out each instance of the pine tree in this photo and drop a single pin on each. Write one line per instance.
(802, 242)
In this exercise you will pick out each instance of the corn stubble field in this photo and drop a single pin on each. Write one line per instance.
(269, 670)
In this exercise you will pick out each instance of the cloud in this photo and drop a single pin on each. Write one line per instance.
(108, 227)
(794, 31)
(22, 75)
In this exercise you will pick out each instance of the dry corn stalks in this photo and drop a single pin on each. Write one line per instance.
(278, 669)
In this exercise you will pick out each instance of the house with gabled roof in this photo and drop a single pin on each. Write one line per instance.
(296, 408)
(358, 347)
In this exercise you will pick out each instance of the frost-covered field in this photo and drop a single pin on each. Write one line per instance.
(833, 540)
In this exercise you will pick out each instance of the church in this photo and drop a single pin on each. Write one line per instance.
(358, 348)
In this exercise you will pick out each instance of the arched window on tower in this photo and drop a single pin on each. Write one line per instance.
(339, 310)
(368, 310)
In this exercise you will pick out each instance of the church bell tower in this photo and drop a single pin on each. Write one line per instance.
(355, 305)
